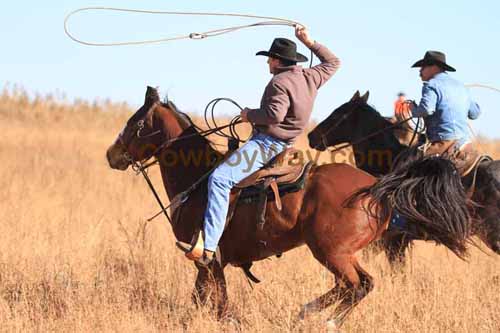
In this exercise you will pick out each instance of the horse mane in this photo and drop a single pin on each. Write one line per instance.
(428, 192)
(385, 122)
(183, 117)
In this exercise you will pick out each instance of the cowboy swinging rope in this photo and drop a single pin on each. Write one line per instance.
(141, 167)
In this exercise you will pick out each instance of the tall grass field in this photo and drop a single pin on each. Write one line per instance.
(76, 254)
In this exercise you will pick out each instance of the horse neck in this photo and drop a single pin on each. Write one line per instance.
(376, 154)
(185, 162)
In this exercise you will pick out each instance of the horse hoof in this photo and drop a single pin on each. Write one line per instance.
(233, 323)
(332, 327)
(308, 309)
(302, 314)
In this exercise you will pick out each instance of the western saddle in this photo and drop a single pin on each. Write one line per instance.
(466, 158)
(284, 173)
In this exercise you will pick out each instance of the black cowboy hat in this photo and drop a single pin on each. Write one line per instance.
(434, 58)
(285, 49)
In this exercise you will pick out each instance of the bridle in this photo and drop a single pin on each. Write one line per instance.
(138, 127)
(141, 166)
(140, 124)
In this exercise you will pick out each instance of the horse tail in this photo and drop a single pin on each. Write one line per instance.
(428, 192)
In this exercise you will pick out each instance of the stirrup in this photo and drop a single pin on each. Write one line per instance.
(204, 260)
(194, 250)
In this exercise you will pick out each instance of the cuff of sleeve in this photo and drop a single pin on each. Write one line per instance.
(420, 112)
(315, 47)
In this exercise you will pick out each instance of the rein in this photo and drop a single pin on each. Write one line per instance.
(167, 143)
(140, 167)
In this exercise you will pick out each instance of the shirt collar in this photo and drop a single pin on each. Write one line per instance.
(293, 68)
(440, 74)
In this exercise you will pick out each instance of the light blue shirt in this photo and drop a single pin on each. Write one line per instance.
(445, 105)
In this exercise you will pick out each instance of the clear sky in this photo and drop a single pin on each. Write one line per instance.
(377, 42)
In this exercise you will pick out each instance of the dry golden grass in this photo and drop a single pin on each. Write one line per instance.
(75, 254)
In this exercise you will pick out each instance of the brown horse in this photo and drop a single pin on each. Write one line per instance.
(355, 120)
(315, 215)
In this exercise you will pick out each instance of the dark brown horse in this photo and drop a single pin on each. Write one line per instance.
(315, 216)
(355, 120)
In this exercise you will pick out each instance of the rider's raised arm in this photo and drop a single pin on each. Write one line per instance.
(428, 103)
(273, 108)
(329, 62)
(328, 66)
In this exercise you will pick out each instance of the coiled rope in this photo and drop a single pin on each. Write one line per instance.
(211, 121)
(272, 21)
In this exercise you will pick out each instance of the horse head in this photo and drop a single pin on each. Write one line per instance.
(343, 125)
(148, 130)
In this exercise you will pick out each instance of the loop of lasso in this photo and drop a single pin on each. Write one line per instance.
(271, 21)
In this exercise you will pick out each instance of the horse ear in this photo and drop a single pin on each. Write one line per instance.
(365, 96)
(151, 95)
(355, 96)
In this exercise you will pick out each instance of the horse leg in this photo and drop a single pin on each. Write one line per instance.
(353, 284)
(374, 249)
(210, 288)
(395, 246)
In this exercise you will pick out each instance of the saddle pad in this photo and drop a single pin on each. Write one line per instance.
(251, 193)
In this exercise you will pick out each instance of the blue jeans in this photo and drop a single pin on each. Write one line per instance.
(250, 157)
